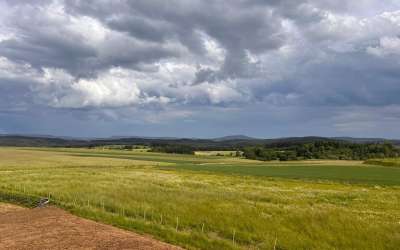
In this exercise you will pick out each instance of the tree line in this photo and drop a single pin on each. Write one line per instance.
(321, 149)
(335, 150)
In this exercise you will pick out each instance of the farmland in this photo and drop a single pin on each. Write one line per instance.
(217, 153)
(385, 162)
(210, 202)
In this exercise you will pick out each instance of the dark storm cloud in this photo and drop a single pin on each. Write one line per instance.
(178, 57)
(47, 37)
(236, 26)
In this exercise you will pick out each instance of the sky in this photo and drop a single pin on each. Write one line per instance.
(200, 68)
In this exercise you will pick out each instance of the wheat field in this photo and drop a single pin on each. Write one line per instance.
(208, 202)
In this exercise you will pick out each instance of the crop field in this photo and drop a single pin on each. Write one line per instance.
(385, 162)
(216, 153)
(210, 202)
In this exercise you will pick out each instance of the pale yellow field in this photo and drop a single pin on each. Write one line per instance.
(16, 158)
(208, 202)
(216, 153)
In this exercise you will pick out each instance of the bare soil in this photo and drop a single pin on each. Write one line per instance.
(53, 228)
(4, 208)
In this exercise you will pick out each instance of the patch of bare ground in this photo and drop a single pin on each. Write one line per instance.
(53, 228)
(5, 208)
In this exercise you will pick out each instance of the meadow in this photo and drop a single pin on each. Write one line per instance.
(210, 202)
(216, 153)
(384, 162)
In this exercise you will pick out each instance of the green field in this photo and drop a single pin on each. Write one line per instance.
(209, 202)
(384, 162)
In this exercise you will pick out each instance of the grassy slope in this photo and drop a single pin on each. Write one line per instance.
(167, 196)
(343, 171)
(384, 162)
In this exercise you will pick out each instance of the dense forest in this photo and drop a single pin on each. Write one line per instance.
(335, 150)
(298, 150)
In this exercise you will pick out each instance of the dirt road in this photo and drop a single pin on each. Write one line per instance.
(53, 228)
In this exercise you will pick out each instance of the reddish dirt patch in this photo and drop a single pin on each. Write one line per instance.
(4, 208)
(53, 228)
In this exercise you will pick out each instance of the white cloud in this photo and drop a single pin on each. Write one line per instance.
(345, 33)
(214, 51)
(387, 46)
(222, 93)
(110, 89)
(9, 69)
(119, 87)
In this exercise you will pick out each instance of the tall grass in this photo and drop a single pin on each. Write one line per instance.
(384, 162)
(199, 210)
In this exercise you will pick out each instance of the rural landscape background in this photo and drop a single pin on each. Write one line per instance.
(199, 124)
(213, 199)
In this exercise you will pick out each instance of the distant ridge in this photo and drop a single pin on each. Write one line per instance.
(232, 141)
(234, 137)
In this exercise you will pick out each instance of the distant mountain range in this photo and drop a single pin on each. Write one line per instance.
(221, 143)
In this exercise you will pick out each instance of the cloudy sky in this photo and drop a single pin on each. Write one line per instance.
(200, 68)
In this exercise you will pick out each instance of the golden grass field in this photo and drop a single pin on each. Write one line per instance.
(208, 202)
